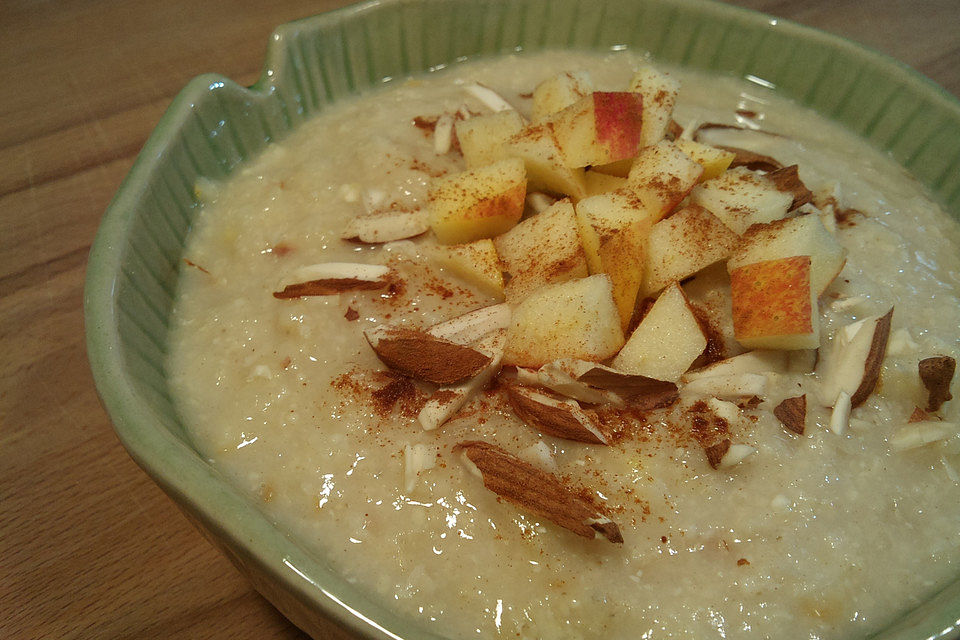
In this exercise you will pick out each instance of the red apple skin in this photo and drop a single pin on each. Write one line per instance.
(618, 116)
(772, 298)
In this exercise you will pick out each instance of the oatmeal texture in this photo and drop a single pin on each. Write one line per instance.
(816, 535)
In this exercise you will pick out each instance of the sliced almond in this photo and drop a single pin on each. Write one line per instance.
(554, 377)
(871, 368)
(537, 491)
(936, 374)
(447, 400)
(635, 389)
(840, 417)
(758, 361)
(386, 226)
(715, 452)
(792, 414)
(421, 356)
(724, 410)
(750, 159)
(788, 180)
(735, 385)
(853, 361)
(554, 416)
(918, 434)
(473, 325)
(736, 454)
(443, 134)
(334, 277)
(416, 458)
(490, 98)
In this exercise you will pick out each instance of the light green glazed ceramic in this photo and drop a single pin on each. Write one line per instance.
(214, 125)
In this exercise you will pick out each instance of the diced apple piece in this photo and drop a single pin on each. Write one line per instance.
(476, 262)
(800, 236)
(683, 244)
(602, 215)
(667, 340)
(597, 182)
(659, 93)
(740, 198)
(543, 249)
(621, 258)
(559, 92)
(774, 306)
(478, 203)
(709, 293)
(713, 160)
(662, 176)
(482, 137)
(546, 168)
(620, 168)
(575, 319)
(600, 128)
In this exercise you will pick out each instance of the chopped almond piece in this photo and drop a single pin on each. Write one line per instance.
(792, 414)
(537, 491)
(936, 374)
(787, 180)
(421, 356)
(554, 416)
(334, 277)
(447, 400)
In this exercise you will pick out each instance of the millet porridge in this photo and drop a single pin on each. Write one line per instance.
(732, 524)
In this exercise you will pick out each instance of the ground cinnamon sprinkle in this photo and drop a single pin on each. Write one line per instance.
(426, 124)
(281, 249)
(706, 427)
(845, 217)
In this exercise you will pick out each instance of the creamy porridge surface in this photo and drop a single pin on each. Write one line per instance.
(815, 536)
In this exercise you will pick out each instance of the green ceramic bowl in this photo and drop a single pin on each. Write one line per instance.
(214, 125)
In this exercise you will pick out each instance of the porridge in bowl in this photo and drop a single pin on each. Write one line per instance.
(562, 346)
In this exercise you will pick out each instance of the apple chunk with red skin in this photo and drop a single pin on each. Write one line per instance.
(546, 167)
(600, 128)
(774, 304)
(478, 203)
(801, 236)
(659, 93)
(559, 92)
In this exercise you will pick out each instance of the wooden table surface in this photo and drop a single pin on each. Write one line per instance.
(89, 547)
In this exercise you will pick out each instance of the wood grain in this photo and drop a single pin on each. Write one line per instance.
(89, 547)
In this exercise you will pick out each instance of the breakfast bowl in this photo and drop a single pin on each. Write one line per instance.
(215, 128)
